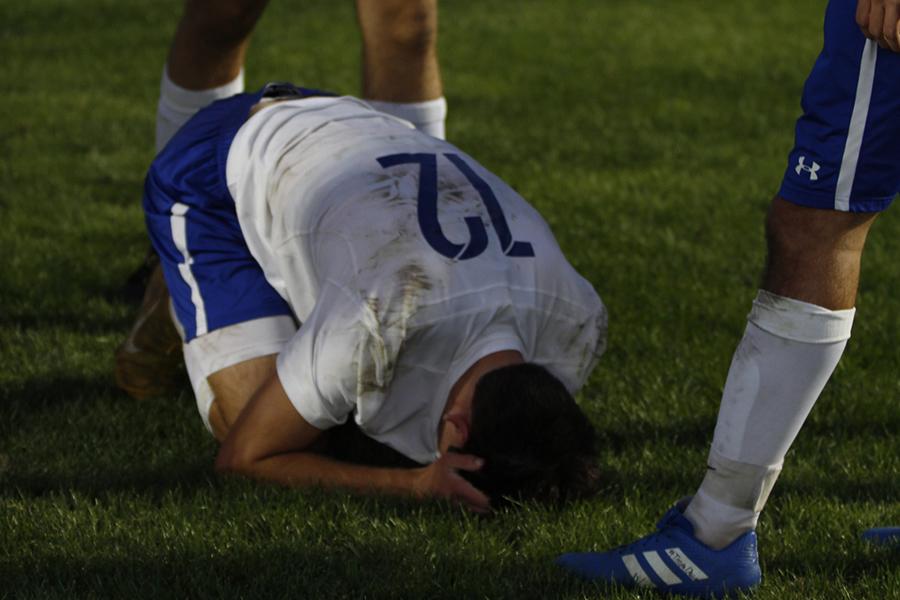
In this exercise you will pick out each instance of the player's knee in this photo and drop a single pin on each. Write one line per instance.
(222, 21)
(799, 232)
(792, 242)
(783, 235)
(408, 27)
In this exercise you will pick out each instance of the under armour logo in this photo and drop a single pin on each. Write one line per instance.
(812, 170)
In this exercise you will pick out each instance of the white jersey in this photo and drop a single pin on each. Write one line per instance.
(404, 271)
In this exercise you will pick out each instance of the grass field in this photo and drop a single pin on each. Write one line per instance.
(650, 134)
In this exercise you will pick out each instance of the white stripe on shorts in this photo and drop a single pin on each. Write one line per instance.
(857, 126)
(179, 236)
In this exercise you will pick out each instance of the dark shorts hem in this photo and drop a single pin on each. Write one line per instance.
(815, 199)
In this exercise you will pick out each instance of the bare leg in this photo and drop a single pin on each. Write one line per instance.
(205, 61)
(814, 255)
(233, 387)
(795, 336)
(796, 332)
(399, 50)
(211, 41)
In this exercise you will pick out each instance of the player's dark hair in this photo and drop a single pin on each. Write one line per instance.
(535, 441)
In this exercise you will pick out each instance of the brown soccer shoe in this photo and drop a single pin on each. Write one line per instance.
(148, 362)
(136, 284)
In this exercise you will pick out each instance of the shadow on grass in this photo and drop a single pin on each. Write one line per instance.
(36, 395)
(842, 487)
(42, 320)
(44, 451)
(66, 290)
(338, 568)
(852, 427)
(42, 391)
(691, 431)
(852, 565)
(153, 482)
(685, 433)
(692, 436)
(343, 567)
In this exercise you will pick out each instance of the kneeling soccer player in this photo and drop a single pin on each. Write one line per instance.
(434, 306)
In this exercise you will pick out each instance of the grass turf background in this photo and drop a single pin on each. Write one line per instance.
(651, 136)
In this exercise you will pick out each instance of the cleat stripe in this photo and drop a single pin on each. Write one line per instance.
(686, 564)
(637, 573)
(179, 237)
(660, 568)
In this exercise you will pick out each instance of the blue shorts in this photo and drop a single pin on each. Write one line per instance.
(213, 279)
(847, 148)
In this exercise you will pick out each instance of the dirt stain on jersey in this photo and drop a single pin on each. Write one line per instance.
(452, 192)
(392, 188)
(387, 326)
(587, 345)
(413, 280)
(371, 351)
(593, 351)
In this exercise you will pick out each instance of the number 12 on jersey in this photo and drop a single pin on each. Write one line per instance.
(428, 209)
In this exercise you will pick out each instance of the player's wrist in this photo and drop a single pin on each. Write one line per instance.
(416, 482)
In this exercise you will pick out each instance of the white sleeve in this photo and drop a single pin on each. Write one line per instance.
(318, 365)
(574, 338)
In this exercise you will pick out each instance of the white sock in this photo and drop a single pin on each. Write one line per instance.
(428, 116)
(177, 104)
(786, 356)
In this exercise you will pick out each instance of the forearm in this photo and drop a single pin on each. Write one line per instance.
(307, 469)
(271, 441)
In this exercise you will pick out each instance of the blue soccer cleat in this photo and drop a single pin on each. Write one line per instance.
(673, 561)
(884, 536)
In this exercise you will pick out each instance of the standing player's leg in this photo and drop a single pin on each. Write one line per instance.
(400, 72)
(844, 169)
(205, 61)
(796, 333)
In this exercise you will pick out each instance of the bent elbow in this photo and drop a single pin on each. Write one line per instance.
(234, 460)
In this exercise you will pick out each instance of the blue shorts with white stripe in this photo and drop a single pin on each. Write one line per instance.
(847, 149)
(213, 279)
